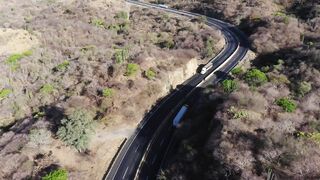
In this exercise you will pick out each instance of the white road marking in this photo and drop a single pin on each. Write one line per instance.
(124, 175)
(190, 15)
(145, 121)
(137, 148)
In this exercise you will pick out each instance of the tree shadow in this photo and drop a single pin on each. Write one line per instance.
(51, 121)
(54, 115)
(46, 170)
(20, 126)
(193, 136)
(208, 11)
(305, 10)
(292, 57)
(257, 144)
(249, 26)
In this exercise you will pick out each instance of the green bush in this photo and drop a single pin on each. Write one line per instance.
(121, 55)
(238, 113)
(107, 92)
(303, 88)
(315, 136)
(13, 60)
(255, 77)
(237, 71)
(132, 69)
(229, 85)
(209, 47)
(278, 79)
(4, 93)
(286, 104)
(98, 23)
(59, 174)
(150, 74)
(63, 66)
(75, 130)
(47, 89)
(122, 15)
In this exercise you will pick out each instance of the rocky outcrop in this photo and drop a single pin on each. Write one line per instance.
(180, 74)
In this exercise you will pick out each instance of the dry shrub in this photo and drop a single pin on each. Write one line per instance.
(13, 162)
(311, 102)
(78, 102)
(267, 139)
(292, 119)
(243, 97)
(298, 159)
(66, 33)
(272, 92)
(183, 54)
(17, 164)
(268, 39)
(86, 37)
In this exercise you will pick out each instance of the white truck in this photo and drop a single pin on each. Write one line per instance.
(163, 6)
(205, 68)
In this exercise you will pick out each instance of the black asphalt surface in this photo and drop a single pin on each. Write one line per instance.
(143, 152)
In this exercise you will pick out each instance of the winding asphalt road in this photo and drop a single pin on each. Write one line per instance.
(143, 152)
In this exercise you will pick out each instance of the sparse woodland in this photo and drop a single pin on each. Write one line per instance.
(264, 119)
(77, 77)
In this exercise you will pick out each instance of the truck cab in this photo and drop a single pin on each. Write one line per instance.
(203, 70)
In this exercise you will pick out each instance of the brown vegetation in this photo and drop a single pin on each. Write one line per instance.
(265, 22)
(251, 134)
(58, 57)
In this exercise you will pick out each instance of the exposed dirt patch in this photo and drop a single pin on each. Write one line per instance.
(16, 41)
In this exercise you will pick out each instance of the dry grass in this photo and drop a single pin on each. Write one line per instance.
(250, 135)
(75, 51)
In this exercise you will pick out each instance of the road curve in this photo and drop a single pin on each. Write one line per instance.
(143, 152)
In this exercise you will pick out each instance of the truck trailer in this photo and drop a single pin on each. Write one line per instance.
(177, 119)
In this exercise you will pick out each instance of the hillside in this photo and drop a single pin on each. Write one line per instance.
(78, 76)
(264, 119)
